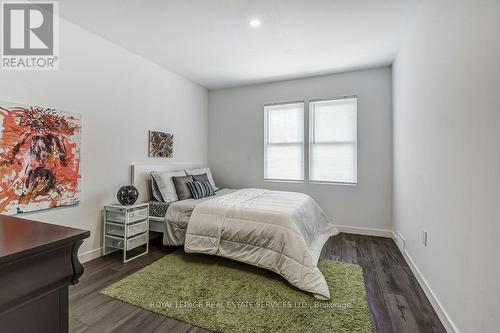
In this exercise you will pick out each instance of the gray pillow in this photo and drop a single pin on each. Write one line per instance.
(181, 187)
(202, 178)
(201, 171)
(201, 189)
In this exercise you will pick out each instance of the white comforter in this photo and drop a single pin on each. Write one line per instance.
(178, 215)
(280, 231)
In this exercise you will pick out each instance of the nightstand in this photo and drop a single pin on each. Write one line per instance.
(126, 228)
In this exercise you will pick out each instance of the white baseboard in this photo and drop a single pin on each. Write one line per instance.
(89, 255)
(436, 304)
(365, 231)
(400, 241)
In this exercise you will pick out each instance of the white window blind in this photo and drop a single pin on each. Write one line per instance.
(333, 140)
(284, 141)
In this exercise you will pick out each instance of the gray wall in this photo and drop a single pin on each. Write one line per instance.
(236, 141)
(447, 156)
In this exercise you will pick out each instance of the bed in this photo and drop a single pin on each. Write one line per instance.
(158, 221)
(280, 231)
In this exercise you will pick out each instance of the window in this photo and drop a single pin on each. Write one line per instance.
(284, 142)
(333, 141)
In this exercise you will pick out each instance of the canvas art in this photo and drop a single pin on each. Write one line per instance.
(161, 144)
(39, 158)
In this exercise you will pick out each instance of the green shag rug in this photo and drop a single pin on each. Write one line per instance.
(222, 295)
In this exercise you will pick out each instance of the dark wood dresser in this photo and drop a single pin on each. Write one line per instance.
(38, 262)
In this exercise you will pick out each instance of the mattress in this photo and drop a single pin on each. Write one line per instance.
(158, 208)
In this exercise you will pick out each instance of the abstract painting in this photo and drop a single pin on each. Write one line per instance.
(161, 144)
(39, 158)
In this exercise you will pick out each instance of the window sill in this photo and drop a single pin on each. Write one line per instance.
(309, 182)
(284, 181)
(332, 183)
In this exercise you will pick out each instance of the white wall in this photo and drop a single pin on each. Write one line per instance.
(236, 142)
(120, 97)
(447, 156)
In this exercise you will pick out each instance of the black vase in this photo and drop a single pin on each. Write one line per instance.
(127, 195)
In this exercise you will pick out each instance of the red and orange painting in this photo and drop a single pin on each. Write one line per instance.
(39, 158)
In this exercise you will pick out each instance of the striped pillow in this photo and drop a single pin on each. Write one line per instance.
(200, 189)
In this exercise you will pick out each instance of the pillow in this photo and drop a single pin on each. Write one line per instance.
(181, 187)
(201, 178)
(155, 191)
(201, 171)
(200, 189)
(165, 185)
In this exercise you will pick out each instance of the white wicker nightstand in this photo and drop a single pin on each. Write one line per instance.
(126, 228)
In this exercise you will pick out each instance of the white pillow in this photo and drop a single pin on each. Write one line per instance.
(201, 171)
(166, 185)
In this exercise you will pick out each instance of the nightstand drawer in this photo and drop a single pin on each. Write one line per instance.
(118, 230)
(132, 243)
(136, 241)
(115, 242)
(134, 215)
(137, 228)
(137, 215)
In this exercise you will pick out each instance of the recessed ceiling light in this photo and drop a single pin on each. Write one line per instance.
(254, 23)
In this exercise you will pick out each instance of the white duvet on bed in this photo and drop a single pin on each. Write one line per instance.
(280, 231)
(177, 218)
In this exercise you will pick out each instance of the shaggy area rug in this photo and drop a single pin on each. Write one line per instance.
(222, 295)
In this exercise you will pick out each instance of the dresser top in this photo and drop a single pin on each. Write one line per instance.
(21, 237)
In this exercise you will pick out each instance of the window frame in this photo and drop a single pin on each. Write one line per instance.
(311, 142)
(266, 142)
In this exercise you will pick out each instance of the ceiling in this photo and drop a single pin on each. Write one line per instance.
(210, 41)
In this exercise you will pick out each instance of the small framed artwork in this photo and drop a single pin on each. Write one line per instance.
(161, 144)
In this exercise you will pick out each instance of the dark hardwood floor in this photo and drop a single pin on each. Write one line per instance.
(395, 299)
